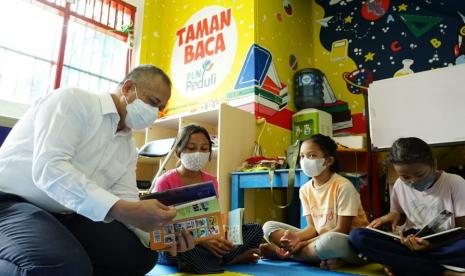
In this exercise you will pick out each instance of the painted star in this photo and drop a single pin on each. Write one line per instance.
(369, 56)
(402, 7)
(348, 19)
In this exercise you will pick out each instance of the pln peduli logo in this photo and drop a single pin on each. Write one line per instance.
(204, 51)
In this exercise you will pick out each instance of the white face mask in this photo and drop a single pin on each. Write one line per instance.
(139, 114)
(195, 161)
(312, 167)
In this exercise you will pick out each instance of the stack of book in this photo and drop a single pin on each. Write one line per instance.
(258, 88)
(340, 112)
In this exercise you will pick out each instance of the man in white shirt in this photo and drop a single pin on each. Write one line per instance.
(68, 195)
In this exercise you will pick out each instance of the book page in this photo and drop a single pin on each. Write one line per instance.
(235, 218)
(390, 234)
(433, 226)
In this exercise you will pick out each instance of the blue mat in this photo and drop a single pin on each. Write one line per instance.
(263, 268)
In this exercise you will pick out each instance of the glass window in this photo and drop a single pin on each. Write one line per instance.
(95, 53)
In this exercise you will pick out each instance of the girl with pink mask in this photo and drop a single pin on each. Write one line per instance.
(331, 206)
(194, 151)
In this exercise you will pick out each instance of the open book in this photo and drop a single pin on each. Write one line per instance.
(436, 236)
(431, 230)
(234, 226)
(197, 211)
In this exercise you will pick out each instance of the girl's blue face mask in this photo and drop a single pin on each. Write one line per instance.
(425, 183)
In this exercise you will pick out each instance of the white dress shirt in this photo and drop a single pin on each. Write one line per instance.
(64, 155)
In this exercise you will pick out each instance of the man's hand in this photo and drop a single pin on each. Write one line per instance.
(218, 247)
(144, 214)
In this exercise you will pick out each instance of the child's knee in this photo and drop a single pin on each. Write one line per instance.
(332, 245)
(255, 233)
(358, 237)
(268, 228)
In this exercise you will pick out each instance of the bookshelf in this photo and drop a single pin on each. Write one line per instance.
(235, 133)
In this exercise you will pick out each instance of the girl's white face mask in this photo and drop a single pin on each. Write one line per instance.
(194, 161)
(139, 114)
(312, 167)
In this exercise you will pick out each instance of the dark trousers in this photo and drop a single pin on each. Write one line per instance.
(35, 242)
(201, 261)
(387, 251)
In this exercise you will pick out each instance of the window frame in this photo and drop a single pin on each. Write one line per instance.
(11, 111)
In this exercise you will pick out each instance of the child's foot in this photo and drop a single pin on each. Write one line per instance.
(331, 264)
(250, 256)
(388, 271)
(269, 251)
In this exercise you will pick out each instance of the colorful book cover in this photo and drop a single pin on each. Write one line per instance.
(184, 194)
(198, 212)
(202, 218)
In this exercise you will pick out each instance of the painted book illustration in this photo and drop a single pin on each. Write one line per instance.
(258, 87)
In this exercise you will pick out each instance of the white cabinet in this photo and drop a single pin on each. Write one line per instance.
(235, 132)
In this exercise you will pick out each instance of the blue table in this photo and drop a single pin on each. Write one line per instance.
(254, 180)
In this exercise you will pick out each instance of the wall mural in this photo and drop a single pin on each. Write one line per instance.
(394, 38)
(386, 39)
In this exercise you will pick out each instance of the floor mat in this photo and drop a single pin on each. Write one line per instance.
(270, 267)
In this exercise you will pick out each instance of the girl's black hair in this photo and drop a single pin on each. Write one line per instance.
(185, 134)
(410, 150)
(327, 146)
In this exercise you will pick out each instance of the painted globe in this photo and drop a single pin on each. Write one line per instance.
(357, 81)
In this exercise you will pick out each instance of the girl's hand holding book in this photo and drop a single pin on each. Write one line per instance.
(392, 217)
(414, 243)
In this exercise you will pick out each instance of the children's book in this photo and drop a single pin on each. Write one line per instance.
(198, 212)
(234, 227)
(184, 194)
(431, 230)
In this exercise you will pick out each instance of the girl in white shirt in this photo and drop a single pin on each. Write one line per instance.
(420, 193)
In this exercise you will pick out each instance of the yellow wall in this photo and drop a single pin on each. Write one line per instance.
(266, 23)
(284, 35)
(161, 22)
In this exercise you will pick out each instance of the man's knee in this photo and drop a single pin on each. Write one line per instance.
(35, 242)
(70, 262)
(147, 262)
